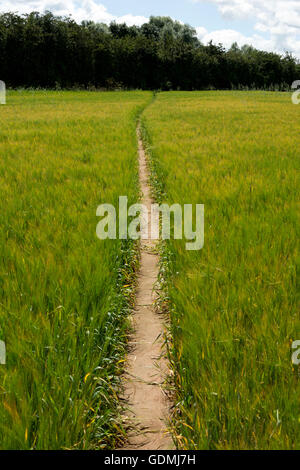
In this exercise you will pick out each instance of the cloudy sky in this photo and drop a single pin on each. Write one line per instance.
(272, 25)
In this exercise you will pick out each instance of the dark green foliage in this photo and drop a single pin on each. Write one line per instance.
(53, 52)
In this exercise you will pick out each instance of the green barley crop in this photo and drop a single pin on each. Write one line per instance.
(234, 305)
(63, 306)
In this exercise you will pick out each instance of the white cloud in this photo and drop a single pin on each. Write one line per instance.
(201, 32)
(279, 19)
(228, 36)
(79, 10)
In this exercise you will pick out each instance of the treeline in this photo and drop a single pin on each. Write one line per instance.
(42, 50)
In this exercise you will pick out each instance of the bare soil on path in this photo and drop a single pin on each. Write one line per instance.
(148, 407)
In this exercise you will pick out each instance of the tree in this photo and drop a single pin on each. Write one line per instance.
(44, 50)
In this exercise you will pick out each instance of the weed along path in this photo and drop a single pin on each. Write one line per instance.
(147, 405)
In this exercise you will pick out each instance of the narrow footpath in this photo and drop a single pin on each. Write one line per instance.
(148, 408)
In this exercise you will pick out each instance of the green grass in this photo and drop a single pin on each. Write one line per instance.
(234, 305)
(62, 303)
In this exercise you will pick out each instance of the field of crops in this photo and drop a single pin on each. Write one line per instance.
(234, 305)
(62, 311)
(65, 295)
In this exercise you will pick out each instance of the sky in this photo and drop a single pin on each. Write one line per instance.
(272, 25)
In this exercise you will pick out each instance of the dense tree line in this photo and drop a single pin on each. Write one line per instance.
(47, 51)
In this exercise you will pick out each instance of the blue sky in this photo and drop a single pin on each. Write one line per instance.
(196, 14)
(272, 25)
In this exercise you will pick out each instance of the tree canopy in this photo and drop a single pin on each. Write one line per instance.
(43, 50)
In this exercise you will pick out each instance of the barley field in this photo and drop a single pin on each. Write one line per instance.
(66, 296)
(63, 307)
(234, 305)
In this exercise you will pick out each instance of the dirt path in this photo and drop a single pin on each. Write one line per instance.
(148, 406)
